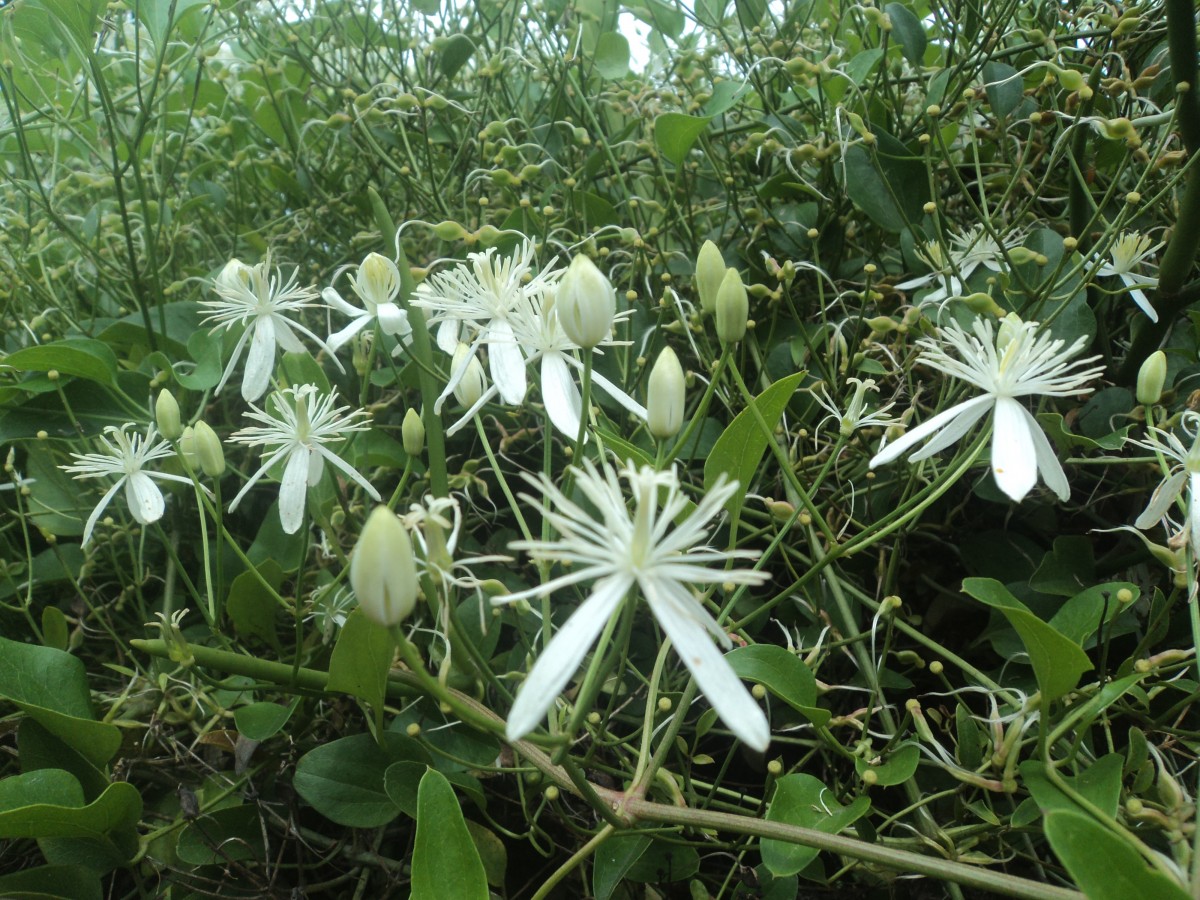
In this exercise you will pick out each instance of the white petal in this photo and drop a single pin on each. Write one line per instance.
(392, 319)
(717, 681)
(619, 395)
(233, 359)
(348, 470)
(286, 338)
(144, 498)
(1047, 460)
(563, 403)
(506, 363)
(447, 336)
(293, 490)
(963, 423)
(260, 362)
(339, 338)
(924, 430)
(1014, 459)
(95, 516)
(1194, 513)
(1139, 297)
(562, 657)
(335, 301)
(1160, 502)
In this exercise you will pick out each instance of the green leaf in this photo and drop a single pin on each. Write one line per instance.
(1005, 89)
(344, 779)
(1058, 662)
(614, 858)
(887, 181)
(896, 768)
(251, 607)
(361, 659)
(54, 628)
(492, 853)
(73, 882)
(612, 55)
(76, 17)
(43, 810)
(664, 862)
(232, 834)
(157, 15)
(79, 356)
(51, 687)
(724, 95)
(1068, 568)
(676, 133)
(804, 801)
(1080, 617)
(1104, 866)
(907, 29)
(401, 782)
(1099, 784)
(53, 786)
(782, 673)
(445, 862)
(740, 447)
(260, 721)
(455, 54)
(1056, 427)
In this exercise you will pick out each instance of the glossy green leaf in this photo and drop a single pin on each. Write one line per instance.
(781, 672)
(78, 356)
(908, 31)
(251, 607)
(896, 767)
(613, 859)
(1099, 784)
(676, 134)
(1057, 661)
(401, 781)
(740, 447)
(664, 862)
(445, 862)
(54, 628)
(1004, 87)
(886, 181)
(160, 16)
(227, 835)
(344, 779)
(260, 721)
(1104, 866)
(456, 53)
(361, 659)
(804, 801)
(612, 55)
(45, 882)
(1081, 616)
(43, 809)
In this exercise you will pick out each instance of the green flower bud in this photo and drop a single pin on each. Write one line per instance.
(412, 433)
(166, 415)
(382, 571)
(710, 271)
(733, 308)
(1151, 378)
(473, 382)
(586, 303)
(1071, 79)
(666, 396)
(207, 448)
(187, 446)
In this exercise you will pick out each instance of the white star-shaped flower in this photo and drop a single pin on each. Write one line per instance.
(1020, 362)
(1184, 475)
(377, 285)
(621, 550)
(126, 456)
(254, 297)
(1128, 252)
(968, 251)
(301, 422)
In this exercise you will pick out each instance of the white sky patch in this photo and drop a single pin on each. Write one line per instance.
(637, 33)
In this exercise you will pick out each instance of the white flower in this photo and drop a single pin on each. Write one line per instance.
(125, 456)
(856, 415)
(1020, 363)
(968, 251)
(472, 303)
(620, 550)
(1128, 252)
(298, 435)
(377, 285)
(254, 297)
(1184, 474)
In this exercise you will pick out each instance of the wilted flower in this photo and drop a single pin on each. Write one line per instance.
(856, 414)
(621, 550)
(1128, 252)
(1019, 363)
(297, 437)
(377, 285)
(125, 456)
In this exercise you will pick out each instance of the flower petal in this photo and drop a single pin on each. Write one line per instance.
(718, 682)
(1014, 458)
(293, 489)
(335, 301)
(506, 363)
(1194, 513)
(924, 430)
(1047, 460)
(260, 362)
(392, 319)
(1160, 501)
(1139, 297)
(339, 338)
(562, 657)
(144, 498)
(963, 423)
(95, 516)
(564, 406)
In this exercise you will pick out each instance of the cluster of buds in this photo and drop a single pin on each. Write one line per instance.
(722, 294)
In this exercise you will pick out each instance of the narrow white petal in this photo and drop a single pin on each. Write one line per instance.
(286, 338)
(348, 470)
(506, 363)
(233, 359)
(293, 489)
(924, 430)
(1194, 513)
(619, 395)
(95, 516)
(339, 338)
(562, 657)
(1160, 502)
(335, 301)
(447, 336)
(1139, 296)
(963, 423)
(1047, 460)
(144, 498)
(260, 362)
(1014, 459)
(392, 319)
(717, 681)
(563, 403)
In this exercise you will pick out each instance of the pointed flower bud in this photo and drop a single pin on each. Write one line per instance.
(1151, 378)
(473, 382)
(710, 272)
(733, 308)
(666, 396)
(187, 446)
(412, 433)
(166, 415)
(586, 303)
(382, 571)
(207, 447)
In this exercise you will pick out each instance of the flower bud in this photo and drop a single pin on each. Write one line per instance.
(665, 396)
(412, 433)
(187, 446)
(710, 271)
(382, 571)
(473, 382)
(1151, 378)
(733, 308)
(586, 303)
(166, 415)
(207, 448)
(234, 276)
